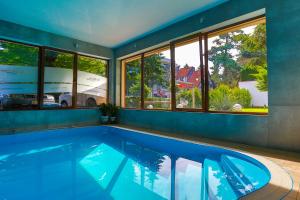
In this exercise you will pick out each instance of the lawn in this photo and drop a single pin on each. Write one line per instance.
(258, 110)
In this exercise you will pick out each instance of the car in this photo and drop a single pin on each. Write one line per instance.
(23, 100)
(84, 100)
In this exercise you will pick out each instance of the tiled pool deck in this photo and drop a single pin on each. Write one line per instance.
(288, 161)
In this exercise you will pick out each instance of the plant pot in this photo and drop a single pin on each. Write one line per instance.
(113, 119)
(104, 119)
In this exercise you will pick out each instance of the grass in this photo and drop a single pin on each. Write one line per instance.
(257, 110)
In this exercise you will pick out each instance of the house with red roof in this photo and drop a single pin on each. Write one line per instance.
(188, 77)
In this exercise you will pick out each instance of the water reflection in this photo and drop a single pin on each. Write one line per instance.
(116, 167)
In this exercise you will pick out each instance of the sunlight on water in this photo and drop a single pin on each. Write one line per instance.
(123, 165)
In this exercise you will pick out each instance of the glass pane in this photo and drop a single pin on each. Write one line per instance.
(238, 70)
(132, 98)
(18, 76)
(58, 79)
(91, 81)
(157, 80)
(188, 76)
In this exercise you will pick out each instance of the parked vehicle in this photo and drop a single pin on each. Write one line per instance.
(23, 100)
(85, 100)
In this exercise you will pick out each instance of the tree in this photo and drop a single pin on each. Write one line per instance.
(18, 54)
(225, 68)
(253, 55)
(154, 74)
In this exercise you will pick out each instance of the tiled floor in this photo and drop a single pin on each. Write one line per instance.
(290, 161)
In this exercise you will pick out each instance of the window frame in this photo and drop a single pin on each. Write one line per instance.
(203, 46)
(75, 75)
(149, 53)
(41, 71)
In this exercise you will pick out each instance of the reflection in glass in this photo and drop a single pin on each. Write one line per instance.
(58, 79)
(157, 78)
(18, 76)
(91, 82)
(188, 75)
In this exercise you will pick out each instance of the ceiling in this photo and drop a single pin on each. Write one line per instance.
(110, 23)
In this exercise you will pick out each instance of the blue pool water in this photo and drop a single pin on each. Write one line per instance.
(106, 163)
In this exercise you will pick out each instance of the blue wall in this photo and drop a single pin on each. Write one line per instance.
(281, 128)
(39, 119)
(15, 121)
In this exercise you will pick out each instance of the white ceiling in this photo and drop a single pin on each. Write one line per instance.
(109, 23)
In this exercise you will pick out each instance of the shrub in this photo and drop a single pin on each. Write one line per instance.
(132, 101)
(242, 97)
(188, 96)
(223, 98)
(220, 98)
(104, 109)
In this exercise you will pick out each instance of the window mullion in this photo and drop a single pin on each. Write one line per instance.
(74, 87)
(173, 88)
(206, 97)
(142, 82)
(41, 69)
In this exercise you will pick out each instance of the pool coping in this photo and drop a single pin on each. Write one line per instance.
(280, 180)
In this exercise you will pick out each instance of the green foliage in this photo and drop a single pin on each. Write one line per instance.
(220, 98)
(262, 79)
(132, 101)
(247, 73)
(253, 49)
(104, 109)
(223, 98)
(249, 64)
(158, 102)
(59, 59)
(241, 96)
(155, 72)
(253, 54)
(188, 96)
(225, 68)
(112, 110)
(87, 64)
(18, 54)
(92, 65)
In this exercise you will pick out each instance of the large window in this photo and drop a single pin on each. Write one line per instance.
(33, 77)
(91, 81)
(58, 79)
(157, 79)
(132, 83)
(188, 75)
(237, 67)
(220, 71)
(18, 76)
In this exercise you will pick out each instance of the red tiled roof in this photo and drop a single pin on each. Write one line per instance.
(195, 78)
(183, 72)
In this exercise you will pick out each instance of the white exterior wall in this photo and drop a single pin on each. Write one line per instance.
(258, 98)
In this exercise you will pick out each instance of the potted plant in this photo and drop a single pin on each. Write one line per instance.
(113, 112)
(104, 113)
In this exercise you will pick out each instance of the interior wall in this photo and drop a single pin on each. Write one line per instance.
(281, 127)
(39, 119)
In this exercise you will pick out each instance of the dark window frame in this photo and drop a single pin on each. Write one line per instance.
(41, 71)
(203, 42)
